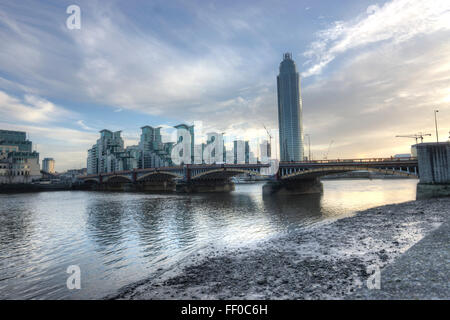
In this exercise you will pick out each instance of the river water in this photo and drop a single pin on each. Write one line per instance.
(120, 238)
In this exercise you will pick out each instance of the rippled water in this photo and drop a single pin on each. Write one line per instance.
(120, 238)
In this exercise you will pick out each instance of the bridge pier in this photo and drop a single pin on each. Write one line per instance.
(204, 186)
(434, 170)
(295, 186)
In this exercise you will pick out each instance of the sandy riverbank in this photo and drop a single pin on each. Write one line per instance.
(326, 261)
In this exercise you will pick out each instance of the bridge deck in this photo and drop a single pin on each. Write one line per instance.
(363, 162)
(243, 166)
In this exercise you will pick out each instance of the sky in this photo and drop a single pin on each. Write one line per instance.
(370, 70)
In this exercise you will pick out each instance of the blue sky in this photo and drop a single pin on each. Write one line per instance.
(370, 70)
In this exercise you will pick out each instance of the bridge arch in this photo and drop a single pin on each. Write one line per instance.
(222, 173)
(166, 175)
(91, 180)
(324, 171)
(117, 178)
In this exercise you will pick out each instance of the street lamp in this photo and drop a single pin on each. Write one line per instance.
(435, 123)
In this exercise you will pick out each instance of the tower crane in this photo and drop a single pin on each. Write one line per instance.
(416, 136)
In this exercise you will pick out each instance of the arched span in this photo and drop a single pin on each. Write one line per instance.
(117, 178)
(155, 174)
(320, 172)
(222, 173)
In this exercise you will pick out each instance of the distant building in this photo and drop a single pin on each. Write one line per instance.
(241, 151)
(109, 154)
(290, 111)
(72, 175)
(5, 150)
(152, 152)
(213, 151)
(252, 158)
(105, 155)
(180, 128)
(229, 156)
(48, 165)
(198, 153)
(403, 155)
(18, 163)
(264, 151)
(15, 138)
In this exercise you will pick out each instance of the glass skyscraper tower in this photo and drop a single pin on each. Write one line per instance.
(290, 111)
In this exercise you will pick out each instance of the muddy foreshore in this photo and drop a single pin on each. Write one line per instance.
(325, 261)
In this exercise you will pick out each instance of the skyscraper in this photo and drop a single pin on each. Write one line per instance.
(290, 111)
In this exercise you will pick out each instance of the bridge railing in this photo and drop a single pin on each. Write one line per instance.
(180, 167)
(358, 160)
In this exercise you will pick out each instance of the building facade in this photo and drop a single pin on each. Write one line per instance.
(15, 138)
(18, 163)
(48, 165)
(109, 154)
(264, 151)
(241, 152)
(290, 111)
(151, 152)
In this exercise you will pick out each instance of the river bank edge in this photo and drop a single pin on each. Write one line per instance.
(331, 260)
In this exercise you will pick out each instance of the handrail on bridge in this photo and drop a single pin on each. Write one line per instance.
(179, 167)
(358, 160)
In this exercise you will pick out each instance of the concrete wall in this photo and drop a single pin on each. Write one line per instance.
(434, 170)
(434, 162)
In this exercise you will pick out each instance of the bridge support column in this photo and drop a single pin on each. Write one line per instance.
(204, 186)
(297, 186)
(434, 170)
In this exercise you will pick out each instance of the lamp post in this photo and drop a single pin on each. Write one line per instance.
(435, 123)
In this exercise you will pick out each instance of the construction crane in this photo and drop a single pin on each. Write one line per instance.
(417, 136)
(269, 147)
(328, 151)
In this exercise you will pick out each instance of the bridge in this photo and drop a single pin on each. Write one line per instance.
(407, 167)
(432, 166)
(185, 178)
(292, 177)
(303, 177)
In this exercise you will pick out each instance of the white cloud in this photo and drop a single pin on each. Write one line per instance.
(378, 94)
(84, 126)
(31, 109)
(397, 21)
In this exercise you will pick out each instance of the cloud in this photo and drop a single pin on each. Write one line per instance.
(378, 94)
(84, 126)
(31, 109)
(67, 146)
(376, 74)
(397, 21)
(115, 61)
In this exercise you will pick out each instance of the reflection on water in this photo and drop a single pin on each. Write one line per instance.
(120, 238)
